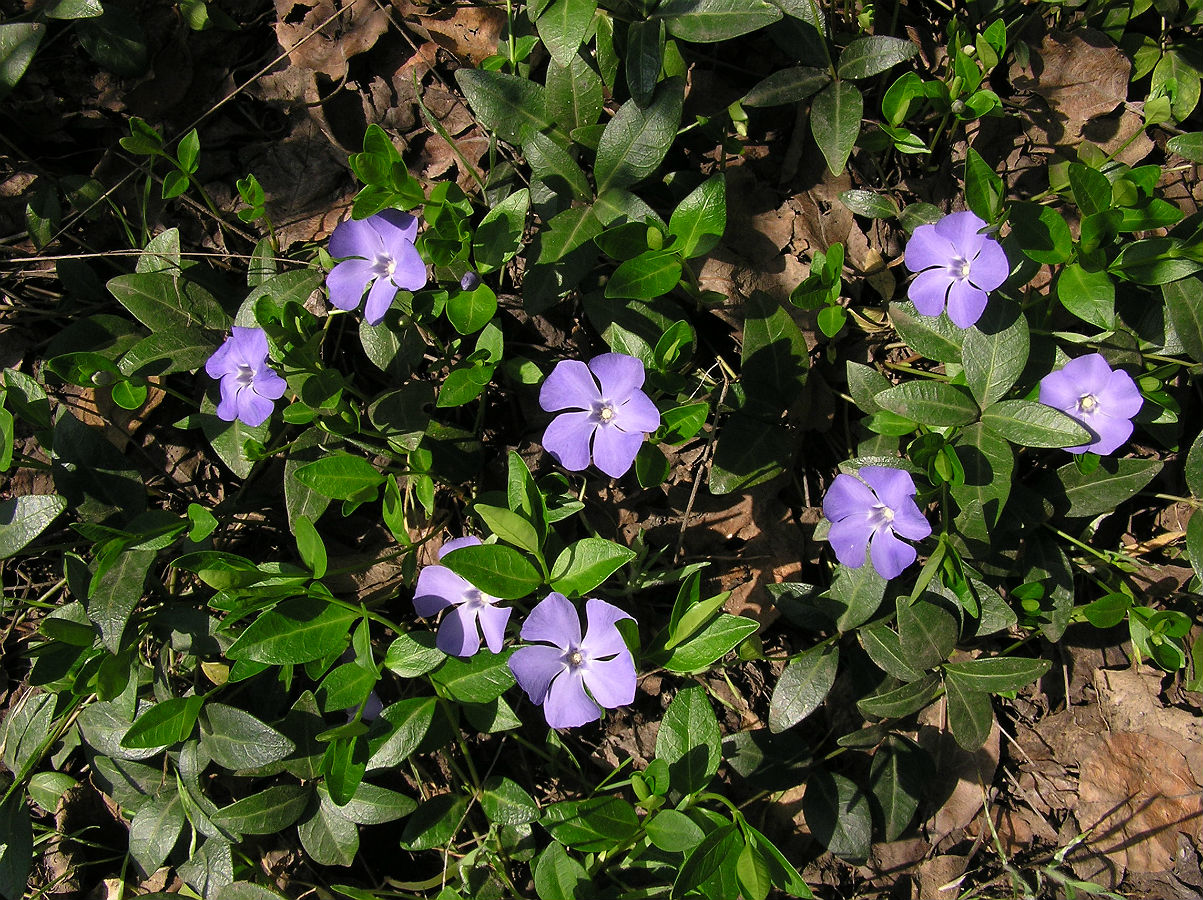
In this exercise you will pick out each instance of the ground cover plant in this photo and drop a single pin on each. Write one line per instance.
(706, 448)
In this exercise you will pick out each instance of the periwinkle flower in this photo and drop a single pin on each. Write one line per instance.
(869, 512)
(470, 281)
(1102, 399)
(438, 587)
(572, 677)
(609, 415)
(380, 259)
(249, 386)
(957, 265)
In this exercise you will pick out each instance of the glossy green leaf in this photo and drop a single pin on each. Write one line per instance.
(932, 336)
(835, 115)
(749, 451)
(404, 725)
(475, 679)
(994, 353)
(164, 724)
(1048, 567)
(932, 403)
(155, 829)
(1104, 489)
(786, 86)
(1033, 424)
(871, 55)
(988, 462)
(22, 519)
(562, 26)
(644, 58)
(637, 139)
(567, 231)
(163, 301)
(19, 41)
(498, 238)
(328, 838)
(508, 105)
(718, 850)
(574, 93)
(882, 645)
(803, 687)
(1088, 295)
(237, 740)
(984, 190)
(710, 21)
(673, 831)
(552, 164)
(716, 639)
(700, 219)
(649, 275)
(996, 674)
(927, 630)
(560, 877)
(1184, 306)
(600, 823)
(1041, 233)
(114, 596)
(1091, 189)
(499, 571)
(506, 803)
(295, 631)
(339, 476)
(585, 564)
(689, 740)
(901, 701)
(267, 812)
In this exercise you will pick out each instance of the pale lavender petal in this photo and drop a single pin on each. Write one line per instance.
(929, 290)
(1090, 374)
(380, 298)
(438, 587)
(567, 439)
(963, 231)
(894, 487)
(493, 620)
(927, 248)
(227, 409)
(849, 539)
(248, 346)
(847, 496)
(269, 384)
(347, 281)
(555, 621)
(965, 303)
(569, 386)
(601, 637)
(890, 555)
(567, 705)
(356, 237)
(910, 522)
(458, 544)
(990, 268)
(1059, 390)
(395, 226)
(638, 414)
(618, 375)
(535, 667)
(1112, 433)
(457, 633)
(614, 450)
(410, 271)
(1121, 397)
(612, 681)
(252, 409)
(219, 363)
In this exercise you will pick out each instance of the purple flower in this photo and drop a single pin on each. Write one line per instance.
(611, 415)
(248, 385)
(470, 281)
(557, 676)
(438, 587)
(869, 511)
(381, 256)
(957, 265)
(1101, 399)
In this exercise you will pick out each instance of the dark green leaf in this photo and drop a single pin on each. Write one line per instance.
(237, 740)
(901, 701)
(155, 829)
(988, 462)
(869, 204)
(644, 58)
(718, 638)
(984, 189)
(1041, 233)
(375, 805)
(748, 452)
(22, 519)
(164, 723)
(18, 43)
(719, 849)
(327, 837)
(551, 164)
(600, 823)
(1113, 482)
(636, 139)
(673, 832)
(927, 630)
(970, 714)
(837, 814)
(835, 115)
(1092, 190)
(567, 231)
(868, 56)
(994, 353)
(932, 403)
(932, 336)
(710, 21)
(803, 686)
(267, 812)
(506, 104)
(882, 645)
(649, 275)
(574, 94)
(499, 236)
(163, 301)
(995, 674)
(1184, 304)
(405, 725)
(1188, 146)
(562, 26)
(1033, 424)
(499, 571)
(700, 219)
(476, 679)
(786, 86)
(560, 877)
(506, 803)
(896, 780)
(295, 631)
(1048, 566)
(689, 740)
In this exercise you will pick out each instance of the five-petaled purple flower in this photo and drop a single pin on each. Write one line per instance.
(957, 265)
(248, 385)
(610, 414)
(869, 512)
(556, 673)
(381, 256)
(438, 587)
(1101, 399)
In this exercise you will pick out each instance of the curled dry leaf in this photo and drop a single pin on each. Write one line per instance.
(344, 32)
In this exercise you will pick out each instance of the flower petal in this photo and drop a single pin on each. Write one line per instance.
(347, 281)
(248, 346)
(966, 303)
(990, 268)
(458, 635)
(410, 271)
(929, 291)
(849, 539)
(269, 384)
(555, 621)
(890, 555)
(567, 705)
(894, 487)
(567, 439)
(569, 386)
(1121, 397)
(1090, 374)
(380, 298)
(356, 237)
(1060, 391)
(394, 227)
(601, 637)
(638, 413)
(910, 522)
(963, 231)
(614, 450)
(612, 681)
(535, 667)
(618, 375)
(493, 620)
(227, 409)
(219, 363)
(458, 544)
(847, 496)
(438, 587)
(927, 249)
(1112, 431)
(252, 409)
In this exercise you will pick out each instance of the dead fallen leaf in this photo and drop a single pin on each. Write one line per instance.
(344, 31)
(959, 779)
(470, 32)
(1081, 75)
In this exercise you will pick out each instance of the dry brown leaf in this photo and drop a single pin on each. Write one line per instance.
(960, 779)
(470, 32)
(937, 873)
(1130, 699)
(1081, 75)
(350, 29)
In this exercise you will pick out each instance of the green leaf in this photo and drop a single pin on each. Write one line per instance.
(470, 311)
(1105, 488)
(562, 26)
(673, 832)
(574, 94)
(774, 358)
(984, 190)
(837, 814)
(551, 164)
(786, 86)
(719, 637)
(168, 352)
(748, 452)
(1032, 424)
(507, 105)
(882, 645)
(499, 571)
(996, 674)
(932, 336)
(113, 597)
(699, 220)
(718, 850)
(509, 526)
(339, 476)
(649, 275)
(506, 803)
(896, 779)
(1092, 190)
(901, 701)
(988, 462)
(18, 43)
(1184, 305)
(970, 714)
(644, 58)
(237, 740)
(710, 21)
(927, 630)
(295, 631)
(689, 740)
(933, 403)
(600, 823)
(560, 877)
(1088, 295)
(869, 204)
(328, 838)
(566, 231)
(477, 679)
(164, 723)
(868, 56)
(498, 238)
(683, 422)
(115, 40)
(22, 519)
(803, 687)
(835, 115)
(373, 805)
(163, 301)
(267, 812)
(636, 140)
(1041, 233)
(406, 724)
(585, 564)
(155, 829)
(1048, 567)
(995, 352)
(1188, 146)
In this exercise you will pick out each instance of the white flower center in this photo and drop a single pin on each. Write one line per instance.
(474, 599)
(384, 266)
(1087, 403)
(604, 413)
(575, 658)
(245, 376)
(960, 267)
(880, 515)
